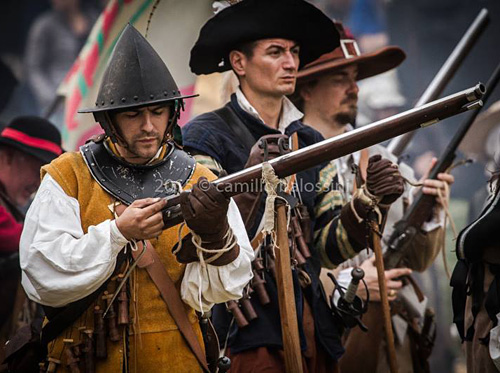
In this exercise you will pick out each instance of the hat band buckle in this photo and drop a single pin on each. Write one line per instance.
(350, 48)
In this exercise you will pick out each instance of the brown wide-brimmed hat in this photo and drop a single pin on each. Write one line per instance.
(369, 64)
(475, 141)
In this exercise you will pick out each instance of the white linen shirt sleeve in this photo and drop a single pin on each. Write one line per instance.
(203, 286)
(60, 264)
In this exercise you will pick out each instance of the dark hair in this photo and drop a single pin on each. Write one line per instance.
(247, 48)
(296, 97)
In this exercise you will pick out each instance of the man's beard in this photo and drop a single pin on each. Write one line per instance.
(346, 117)
(142, 152)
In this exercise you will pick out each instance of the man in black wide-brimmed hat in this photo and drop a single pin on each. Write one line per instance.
(95, 245)
(265, 42)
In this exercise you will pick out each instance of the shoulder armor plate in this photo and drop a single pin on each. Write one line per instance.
(128, 182)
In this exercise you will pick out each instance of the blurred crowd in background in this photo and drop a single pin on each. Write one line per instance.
(40, 40)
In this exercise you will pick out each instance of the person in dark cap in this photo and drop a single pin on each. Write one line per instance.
(327, 93)
(26, 144)
(96, 243)
(265, 42)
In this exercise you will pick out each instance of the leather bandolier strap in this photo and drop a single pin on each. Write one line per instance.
(240, 130)
(170, 295)
(175, 305)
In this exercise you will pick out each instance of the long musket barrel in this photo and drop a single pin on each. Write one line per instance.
(346, 143)
(447, 71)
(422, 206)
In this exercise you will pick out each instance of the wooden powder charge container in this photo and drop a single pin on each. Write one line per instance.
(88, 350)
(258, 284)
(72, 361)
(123, 316)
(101, 351)
(113, 333)
(233, 307)
(248, 310)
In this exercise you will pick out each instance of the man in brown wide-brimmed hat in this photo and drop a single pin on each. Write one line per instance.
(327, 93)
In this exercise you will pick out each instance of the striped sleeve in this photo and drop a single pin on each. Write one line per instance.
(330, 237)
(208, 162)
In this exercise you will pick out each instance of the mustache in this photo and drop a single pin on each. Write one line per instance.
(145, 135)
(350, 98)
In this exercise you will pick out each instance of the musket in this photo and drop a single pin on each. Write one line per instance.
(340, 146)
(444, 75)
(421, 208)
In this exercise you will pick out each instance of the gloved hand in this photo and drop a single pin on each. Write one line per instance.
(248, 203)
(205, 213)
(383, 179)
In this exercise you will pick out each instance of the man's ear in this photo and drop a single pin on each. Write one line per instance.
(305, 92)
(238, 62)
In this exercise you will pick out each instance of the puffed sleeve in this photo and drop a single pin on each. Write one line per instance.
(205, 285)
(60, 264)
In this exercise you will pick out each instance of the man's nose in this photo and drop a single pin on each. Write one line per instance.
(353, 87)
(291, 61)
(147, 123)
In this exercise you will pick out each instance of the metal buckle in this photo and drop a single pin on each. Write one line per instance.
(172, 187)
(349, 48)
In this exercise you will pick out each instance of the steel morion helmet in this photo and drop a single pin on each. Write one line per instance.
(135, 76)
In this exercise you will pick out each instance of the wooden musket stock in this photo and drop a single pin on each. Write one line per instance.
(345, 144)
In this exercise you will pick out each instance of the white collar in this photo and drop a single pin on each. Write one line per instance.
(289, 112)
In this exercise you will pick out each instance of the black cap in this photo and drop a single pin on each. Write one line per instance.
(34, 136)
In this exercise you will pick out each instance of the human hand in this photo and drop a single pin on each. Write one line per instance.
(371, 279)
(438, 187)
(142, 220)
(205, 211)
(383, 179)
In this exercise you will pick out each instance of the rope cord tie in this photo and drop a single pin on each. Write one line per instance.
(230, 243)
(271, 183)
(366, 199)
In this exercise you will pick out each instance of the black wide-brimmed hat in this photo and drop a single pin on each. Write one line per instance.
(34, 136)
(251, 20)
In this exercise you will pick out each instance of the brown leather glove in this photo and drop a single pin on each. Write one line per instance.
(384, 180)
(248, 203)
(205, 212)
